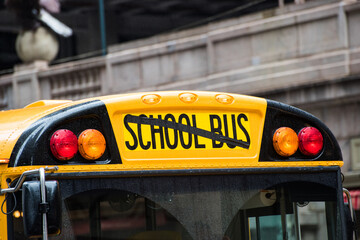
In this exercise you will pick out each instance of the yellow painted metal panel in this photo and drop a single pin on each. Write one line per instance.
(14, 122)
(3, 217)
(245, 115)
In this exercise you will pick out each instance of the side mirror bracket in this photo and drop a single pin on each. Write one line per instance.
(41, 203)
(34, 209)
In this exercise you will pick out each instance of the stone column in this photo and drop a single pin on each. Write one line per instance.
(25, 83)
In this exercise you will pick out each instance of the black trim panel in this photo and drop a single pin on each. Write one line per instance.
(282, 115)
(185, 172)
(33, 146)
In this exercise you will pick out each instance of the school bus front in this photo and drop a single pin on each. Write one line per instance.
(168, 165)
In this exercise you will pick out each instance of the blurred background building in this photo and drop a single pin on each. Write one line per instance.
(303, 53)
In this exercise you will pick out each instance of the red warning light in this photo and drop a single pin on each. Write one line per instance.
(64, 144)
(310, 141)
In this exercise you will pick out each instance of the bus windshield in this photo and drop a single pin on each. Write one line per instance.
(201, 207)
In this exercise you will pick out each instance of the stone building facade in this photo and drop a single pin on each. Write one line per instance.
(306, 55)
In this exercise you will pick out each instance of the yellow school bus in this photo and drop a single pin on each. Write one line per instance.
(169, 165)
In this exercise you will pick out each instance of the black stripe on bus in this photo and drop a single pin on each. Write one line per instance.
(187, 172)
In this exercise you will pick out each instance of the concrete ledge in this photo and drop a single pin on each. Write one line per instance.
(277, 75)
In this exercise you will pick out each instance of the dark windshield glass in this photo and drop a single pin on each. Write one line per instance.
(213, 207)
(114, 214)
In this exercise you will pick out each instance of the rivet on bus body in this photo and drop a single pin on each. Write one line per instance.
(151, 99)
(188, 97)
(224, 98)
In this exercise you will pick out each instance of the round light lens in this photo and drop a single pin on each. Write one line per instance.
(188, 97)
(285, 141)
(151, 99)
(17, 214)
(64, 144)
(92, 144)
(310, 141)
(224, 98)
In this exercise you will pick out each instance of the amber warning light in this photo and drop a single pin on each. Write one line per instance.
(91, 144)
(285, 141)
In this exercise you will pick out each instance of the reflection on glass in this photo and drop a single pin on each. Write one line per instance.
(121, 215)
(229, 207)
